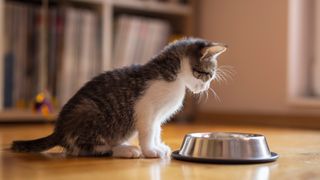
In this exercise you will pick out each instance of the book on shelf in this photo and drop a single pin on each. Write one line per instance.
(1, 53)
(19, 53)
(137, 39)
(80, 61)
(72, 58)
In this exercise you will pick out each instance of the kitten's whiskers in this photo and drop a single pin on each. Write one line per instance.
(199, 98)
(215, 95)
(224, 73)
(220, 77)
(207, 96)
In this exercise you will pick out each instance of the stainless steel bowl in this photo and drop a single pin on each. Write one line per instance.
(225, 147)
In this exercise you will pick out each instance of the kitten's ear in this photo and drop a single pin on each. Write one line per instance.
(213, 51)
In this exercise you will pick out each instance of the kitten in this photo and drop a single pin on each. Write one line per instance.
(115, 105)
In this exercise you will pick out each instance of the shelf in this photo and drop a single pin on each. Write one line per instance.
(24, 116)
(154, 6)
(146, 6)
(308, 102)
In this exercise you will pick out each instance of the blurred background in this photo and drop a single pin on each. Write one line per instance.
(49, 48)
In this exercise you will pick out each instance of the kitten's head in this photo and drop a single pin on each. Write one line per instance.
(199, 62)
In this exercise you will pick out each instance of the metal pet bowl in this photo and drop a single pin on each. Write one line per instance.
(225, 147)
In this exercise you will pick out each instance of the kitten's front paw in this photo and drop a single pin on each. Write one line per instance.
(166, 149)
(153, 152)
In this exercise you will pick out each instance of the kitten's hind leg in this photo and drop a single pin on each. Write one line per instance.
(102, 150)
(84, 151)
(126, 151)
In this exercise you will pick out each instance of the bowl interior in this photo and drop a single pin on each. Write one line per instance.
(224, 135)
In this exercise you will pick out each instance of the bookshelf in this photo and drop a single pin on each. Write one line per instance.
(301, 56)
(179, 15)
(14, 115)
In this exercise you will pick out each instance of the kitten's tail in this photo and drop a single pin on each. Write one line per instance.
(36, 145)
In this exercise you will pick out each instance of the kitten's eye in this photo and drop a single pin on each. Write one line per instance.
(201, 72)
(204, 76)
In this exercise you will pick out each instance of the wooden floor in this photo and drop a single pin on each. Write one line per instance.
(299, 158)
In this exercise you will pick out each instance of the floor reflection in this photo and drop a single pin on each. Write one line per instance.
(261, 173)
(156, 168)
(1, 160)
(45, 164)
(255, 172)
(160, 169)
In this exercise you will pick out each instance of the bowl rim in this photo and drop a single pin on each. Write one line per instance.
(176, 155)
(198, 135)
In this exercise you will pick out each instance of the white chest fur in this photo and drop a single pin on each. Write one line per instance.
(161, 100)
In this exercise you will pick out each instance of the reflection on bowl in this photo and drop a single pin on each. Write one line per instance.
(225, 146)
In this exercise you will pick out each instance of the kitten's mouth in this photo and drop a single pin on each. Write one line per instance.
(200, 88)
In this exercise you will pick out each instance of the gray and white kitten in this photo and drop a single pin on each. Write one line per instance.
(112, 107)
